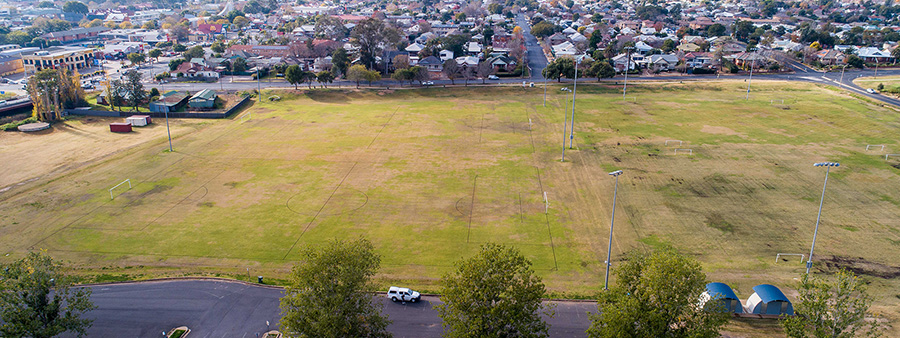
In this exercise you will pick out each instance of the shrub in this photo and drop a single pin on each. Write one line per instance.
(15, 124)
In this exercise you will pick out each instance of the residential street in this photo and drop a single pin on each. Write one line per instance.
(215, 308)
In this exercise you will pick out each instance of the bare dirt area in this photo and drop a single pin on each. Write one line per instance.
(72, 144)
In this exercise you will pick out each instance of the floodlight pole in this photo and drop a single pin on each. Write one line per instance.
(627, 64)
(752, 63)
(545, 86)
(827, 166)
(574, 89)
(167, 130)
(611, 223)
(842, 76)
(565, 117)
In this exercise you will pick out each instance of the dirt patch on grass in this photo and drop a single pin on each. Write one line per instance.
(860, 266)
(719, 130)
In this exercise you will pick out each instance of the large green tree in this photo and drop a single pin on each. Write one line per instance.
(655, 295)
(371, 35)
(328, 293)
(357, 73)
(75, 7)
(561, 67)
(134, 88)
(493, 294)
(340, 60)
(37, 299)
(293, 75)
(834, 308)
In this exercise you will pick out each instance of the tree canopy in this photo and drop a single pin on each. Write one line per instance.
(328, 293)
(75, 7)
(371, 35)
(36, 299)
(493, 294)
(655, 295)
(835, 308)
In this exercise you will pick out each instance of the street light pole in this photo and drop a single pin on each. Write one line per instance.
(565, 123)
(611, 223)
(627, 64)
(752, 63)
(167, 130)
(574, 89)
(827, 166)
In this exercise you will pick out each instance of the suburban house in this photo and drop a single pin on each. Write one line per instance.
(204, 99)
(662, 62)
(169, 102)
(830, 57)
(432, 63)
(190, 69)
(873, 54)
(502, 63)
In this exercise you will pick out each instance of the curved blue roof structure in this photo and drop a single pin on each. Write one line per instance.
(769, 293)
(720, 291)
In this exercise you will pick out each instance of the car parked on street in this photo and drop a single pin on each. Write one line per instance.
(493, 77)
(398, 294)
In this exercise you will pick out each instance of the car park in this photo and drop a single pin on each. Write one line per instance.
(398, 294)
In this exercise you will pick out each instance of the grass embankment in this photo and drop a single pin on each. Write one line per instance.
(429, 175)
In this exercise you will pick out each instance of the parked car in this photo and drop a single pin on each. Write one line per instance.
(428, 83)
(870, 90)
(398, 294)
(493, 77)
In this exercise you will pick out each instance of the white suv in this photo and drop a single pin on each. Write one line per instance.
(403, 295)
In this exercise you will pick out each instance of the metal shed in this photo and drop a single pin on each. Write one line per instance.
(768, 300)
(138, 120)
(723, 294)
(117, 127)
(205, 99)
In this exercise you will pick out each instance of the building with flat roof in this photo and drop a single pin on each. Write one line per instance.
(10, 65)
(70, 57)
(76, 34)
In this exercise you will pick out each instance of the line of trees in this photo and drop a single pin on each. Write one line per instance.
(496, 293)
(53, 90)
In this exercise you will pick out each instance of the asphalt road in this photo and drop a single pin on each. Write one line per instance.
(228, 309)
(537, 61)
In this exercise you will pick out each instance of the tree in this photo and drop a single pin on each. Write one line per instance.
(218, 47)
(293, 75)
(325, 77)
(715, 29)
(308, 77)
(92, 23)
(137, 58)
(75, 7)
(832, 308)
(896, 53)
(419, 74)
(855, 61)
(115, 96)
(543, 29)
(36, 299)
(372, 76)
(371, 35)
(177, 47)
(602, 70)
(134, 88)
(179, 32)
(330, 27)
(655, 296)
(155, 53)
(401, 61)
(328, 293)
(46, 4)
(174, 63)
(194, 52)
(561, 67)
(668, 46)
(18, 37)
(484, 70)
(240, 22)
(403, 74)
(239, 65)
(340, 60)
(357, 73)
(451, 70)
(493, 294)
(53, 90)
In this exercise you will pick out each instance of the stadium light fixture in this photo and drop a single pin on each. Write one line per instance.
(615, 174)
(827, 166)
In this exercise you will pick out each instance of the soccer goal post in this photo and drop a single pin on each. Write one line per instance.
(778, 256)
(688, 151)
(118, 185)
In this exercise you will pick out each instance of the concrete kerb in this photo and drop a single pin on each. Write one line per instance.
(274, 287)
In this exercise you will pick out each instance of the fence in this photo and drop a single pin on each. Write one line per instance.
(199, 115)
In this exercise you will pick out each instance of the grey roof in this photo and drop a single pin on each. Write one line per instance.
(430, 60)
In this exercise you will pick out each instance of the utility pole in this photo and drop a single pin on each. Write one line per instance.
(574, 89)
(627, 64)
(752, 63)
(611, 223)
